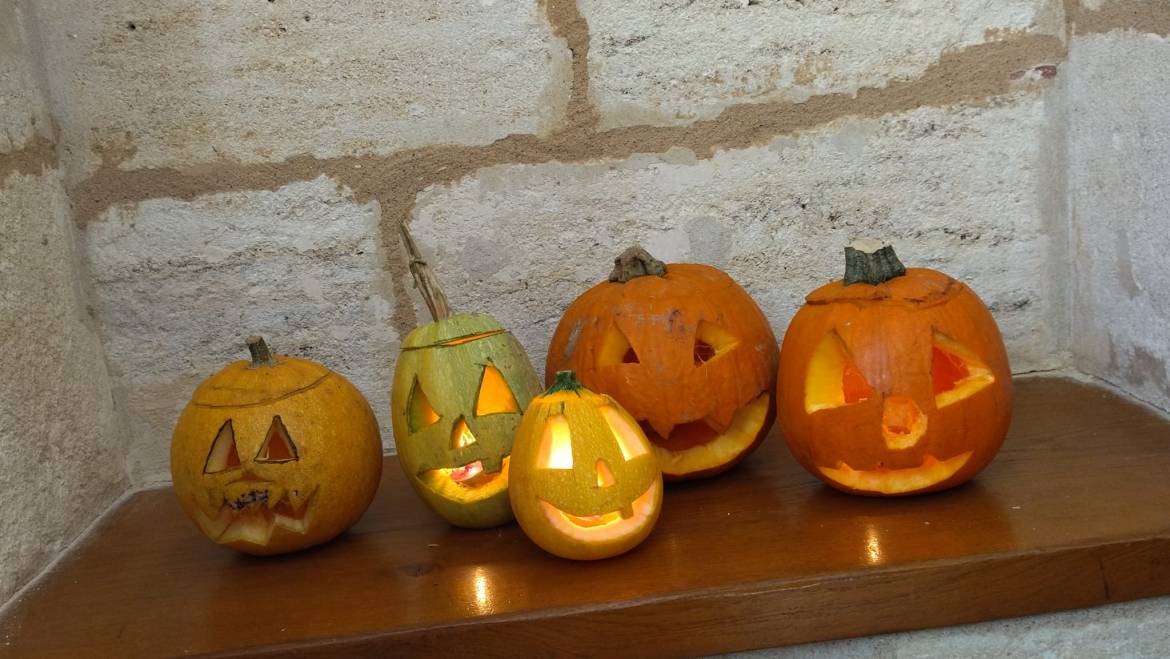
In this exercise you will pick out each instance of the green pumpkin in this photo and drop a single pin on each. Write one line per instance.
(460, 388)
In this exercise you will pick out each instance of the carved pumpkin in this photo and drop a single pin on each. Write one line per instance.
(685, 350)
(275, 455)
(460, 388)
(585, 483)
(893, 381)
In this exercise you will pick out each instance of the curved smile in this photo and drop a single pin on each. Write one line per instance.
(897, 481)
(468, 482)
(610, 525)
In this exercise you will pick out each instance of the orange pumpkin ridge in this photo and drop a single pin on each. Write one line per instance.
(682, 347)
(895, 384)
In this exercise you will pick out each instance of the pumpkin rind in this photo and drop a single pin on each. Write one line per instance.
(671, 385)
(890, 332)
(331, 481)
(448, 358)
(546, 500)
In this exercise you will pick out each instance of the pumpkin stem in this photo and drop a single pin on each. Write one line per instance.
(871, 262)
(636, 262)
(424, 278)
(260, 354)
(565, 381)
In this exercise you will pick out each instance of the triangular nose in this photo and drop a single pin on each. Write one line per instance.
(461, 435)
(604, 474)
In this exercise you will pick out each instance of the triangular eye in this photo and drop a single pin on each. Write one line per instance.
(616, 348)
(955, 371)
(223, 454)
(277, 446)
(556, 445)
(711, 341)
(494, 396)
(419, 409)
(833, 379)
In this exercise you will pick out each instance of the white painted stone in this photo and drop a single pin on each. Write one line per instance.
(179, 285)
(61, 441)
(955, 189)
(675, 61)
(263, 81)
(1119, 133)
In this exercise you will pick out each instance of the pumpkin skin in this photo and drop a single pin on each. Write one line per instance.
(460, 387)
(896, 388)
(688, 353)
(585, 481)
(275, 457)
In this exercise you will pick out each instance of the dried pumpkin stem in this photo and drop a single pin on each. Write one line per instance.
(636, 262)
(260, 353)
(871, 262)
(424, 278)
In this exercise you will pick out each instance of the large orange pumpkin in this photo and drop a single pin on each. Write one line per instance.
(685, 350)
(275, 455)
(893, 381)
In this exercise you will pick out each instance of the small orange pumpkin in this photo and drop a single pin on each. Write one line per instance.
(893, 381)
(275, 455)
(682, 347)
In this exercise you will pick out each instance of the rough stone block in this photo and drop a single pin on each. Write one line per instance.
(1119, 157)
(262, 81)
(179, 285)
(675, 61)
(955, 189)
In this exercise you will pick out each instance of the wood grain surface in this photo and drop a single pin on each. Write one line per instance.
(1075, 512)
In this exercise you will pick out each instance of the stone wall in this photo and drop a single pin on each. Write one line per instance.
(1119, 169)
(243, 167)
(61, 443)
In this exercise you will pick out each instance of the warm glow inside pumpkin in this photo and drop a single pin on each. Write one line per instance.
(460, 386)
(275, 455)
(585, 483)
(894, 385)
(685, 350)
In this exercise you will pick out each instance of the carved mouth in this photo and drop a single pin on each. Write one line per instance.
(468, 482)
(696, 446)
(610, 525)
(897, 481)
(255, 514)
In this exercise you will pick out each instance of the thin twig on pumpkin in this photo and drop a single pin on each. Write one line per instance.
(424, 278)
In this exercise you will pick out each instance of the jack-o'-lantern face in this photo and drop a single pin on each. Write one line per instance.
(895, 388)
(275, 456)
(682, 347)
(585, 481)
(460, 388)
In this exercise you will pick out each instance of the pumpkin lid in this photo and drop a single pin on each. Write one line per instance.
(452, 330)
(240, 384)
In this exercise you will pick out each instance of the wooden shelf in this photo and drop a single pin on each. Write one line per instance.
(1073, 513)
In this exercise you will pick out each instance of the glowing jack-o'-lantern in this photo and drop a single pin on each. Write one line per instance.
(893, 381)
(460, 388)
(275, 455)
(585, 482)
(685, 350)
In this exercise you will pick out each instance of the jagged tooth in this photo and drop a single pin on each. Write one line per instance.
(627, 511)
(273, 499)
(298, 501)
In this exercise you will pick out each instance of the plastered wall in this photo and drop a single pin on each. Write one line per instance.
(61, 442)
(242, 167)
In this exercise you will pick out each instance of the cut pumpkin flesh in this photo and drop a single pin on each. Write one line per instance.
(696, 447)
(897, 481)
(465, 483)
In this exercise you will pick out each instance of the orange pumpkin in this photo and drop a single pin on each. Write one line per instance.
(685, 350)
(893, 381)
